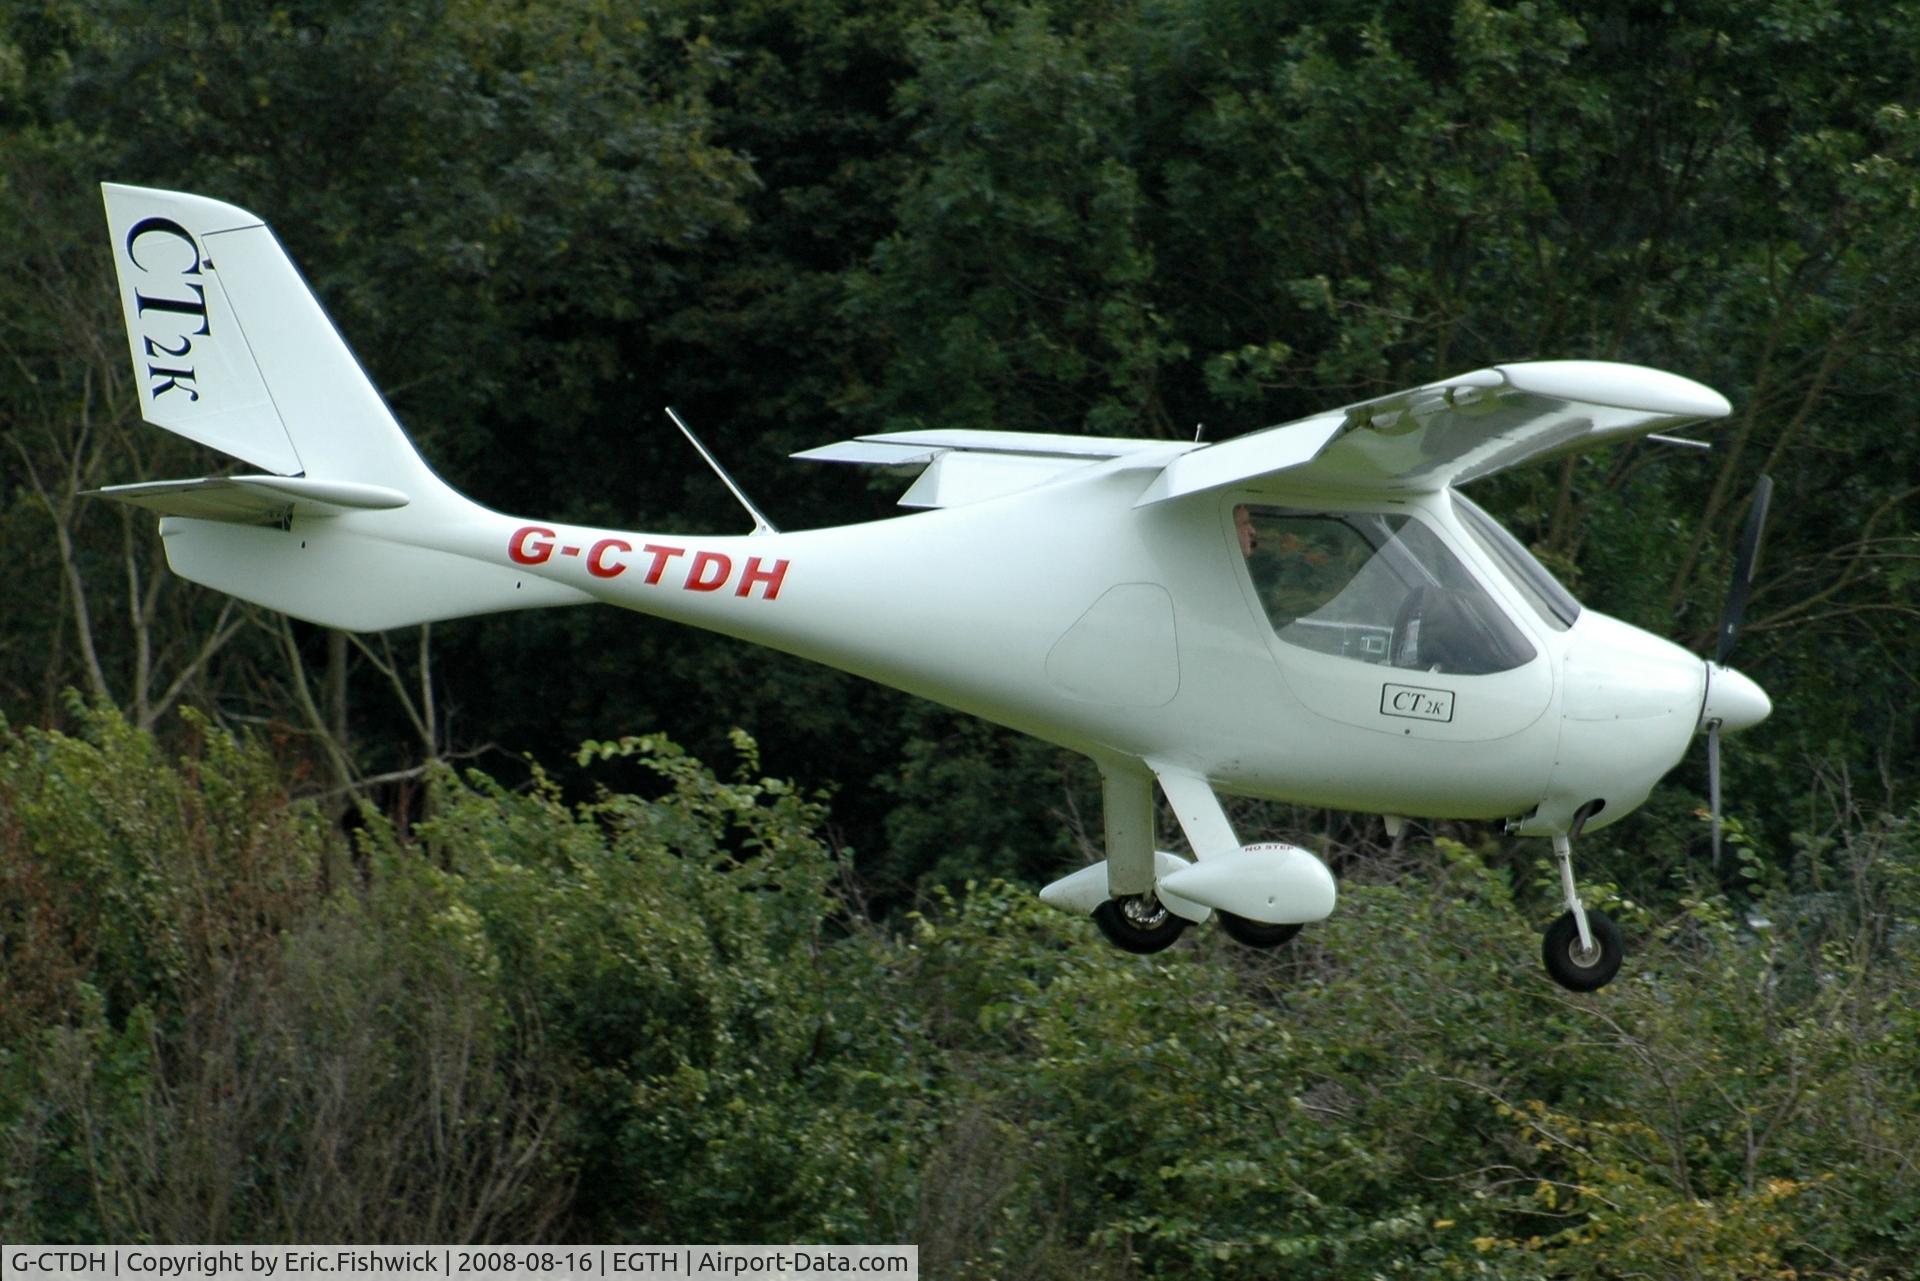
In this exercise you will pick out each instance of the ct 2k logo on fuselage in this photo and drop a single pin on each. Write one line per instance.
(702, 571)
(169, 310)
(1413, 703)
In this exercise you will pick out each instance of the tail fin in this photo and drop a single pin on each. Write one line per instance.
(230, 348)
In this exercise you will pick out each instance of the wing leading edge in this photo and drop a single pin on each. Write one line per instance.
(1443, 433)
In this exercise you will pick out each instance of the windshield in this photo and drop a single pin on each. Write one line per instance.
(1378, 587)
(1554, 603)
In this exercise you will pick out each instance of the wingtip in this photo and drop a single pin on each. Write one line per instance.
(1624, 386)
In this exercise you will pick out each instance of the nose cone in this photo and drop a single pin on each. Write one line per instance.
(1733, 700)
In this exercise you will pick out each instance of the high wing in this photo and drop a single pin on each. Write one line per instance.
(1426, 438)
(966, 466)
(1463, 428)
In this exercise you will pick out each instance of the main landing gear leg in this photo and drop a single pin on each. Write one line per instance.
(1582, 949)
(1133, 917)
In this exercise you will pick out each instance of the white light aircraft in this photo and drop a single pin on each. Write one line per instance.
(1311, 613)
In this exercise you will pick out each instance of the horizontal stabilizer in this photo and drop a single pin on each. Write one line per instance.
(254, 500)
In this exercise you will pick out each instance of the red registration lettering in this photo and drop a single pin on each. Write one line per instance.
(596, 558)
(531, 545)
(661, 555)
(707, 572)
(710, 571)
(769, 578)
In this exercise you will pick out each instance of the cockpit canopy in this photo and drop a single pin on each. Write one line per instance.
(1380, 587)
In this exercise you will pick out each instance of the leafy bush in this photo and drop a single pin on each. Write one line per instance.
(654, 1017)
(523, 1019)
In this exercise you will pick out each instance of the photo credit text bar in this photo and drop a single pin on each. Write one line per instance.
(457, 1262)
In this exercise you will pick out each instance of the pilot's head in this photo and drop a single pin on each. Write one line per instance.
(1243, 528)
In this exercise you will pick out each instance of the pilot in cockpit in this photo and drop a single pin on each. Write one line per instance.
(1376, 587)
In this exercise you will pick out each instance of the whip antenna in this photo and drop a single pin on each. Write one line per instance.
(761, 525)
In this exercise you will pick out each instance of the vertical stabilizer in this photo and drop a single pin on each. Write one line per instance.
(231, 348)
(191, 362)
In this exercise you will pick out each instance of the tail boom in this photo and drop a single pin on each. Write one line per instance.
(350, 572)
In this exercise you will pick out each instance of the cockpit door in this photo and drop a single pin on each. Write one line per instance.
(1377, 621)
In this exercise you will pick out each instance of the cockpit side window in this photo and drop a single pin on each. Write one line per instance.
(1554, 603)
(1378, 587)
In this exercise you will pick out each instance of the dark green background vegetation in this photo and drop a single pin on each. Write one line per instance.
(626, 999)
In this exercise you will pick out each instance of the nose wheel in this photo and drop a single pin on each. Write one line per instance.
(1577, 966)
(1582, 949)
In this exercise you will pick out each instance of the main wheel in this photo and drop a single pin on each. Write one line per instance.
(1255, 933)
(1139, 923)
(1578, 969)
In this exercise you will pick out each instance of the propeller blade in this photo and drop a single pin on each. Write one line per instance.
(1745, 561)
(1713, 787)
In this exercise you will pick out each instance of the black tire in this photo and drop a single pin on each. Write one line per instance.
(1255, 933)
(1560, 949)
(1139, 923)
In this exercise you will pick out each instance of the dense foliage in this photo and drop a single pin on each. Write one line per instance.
(659, 1018)
(621, 998)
